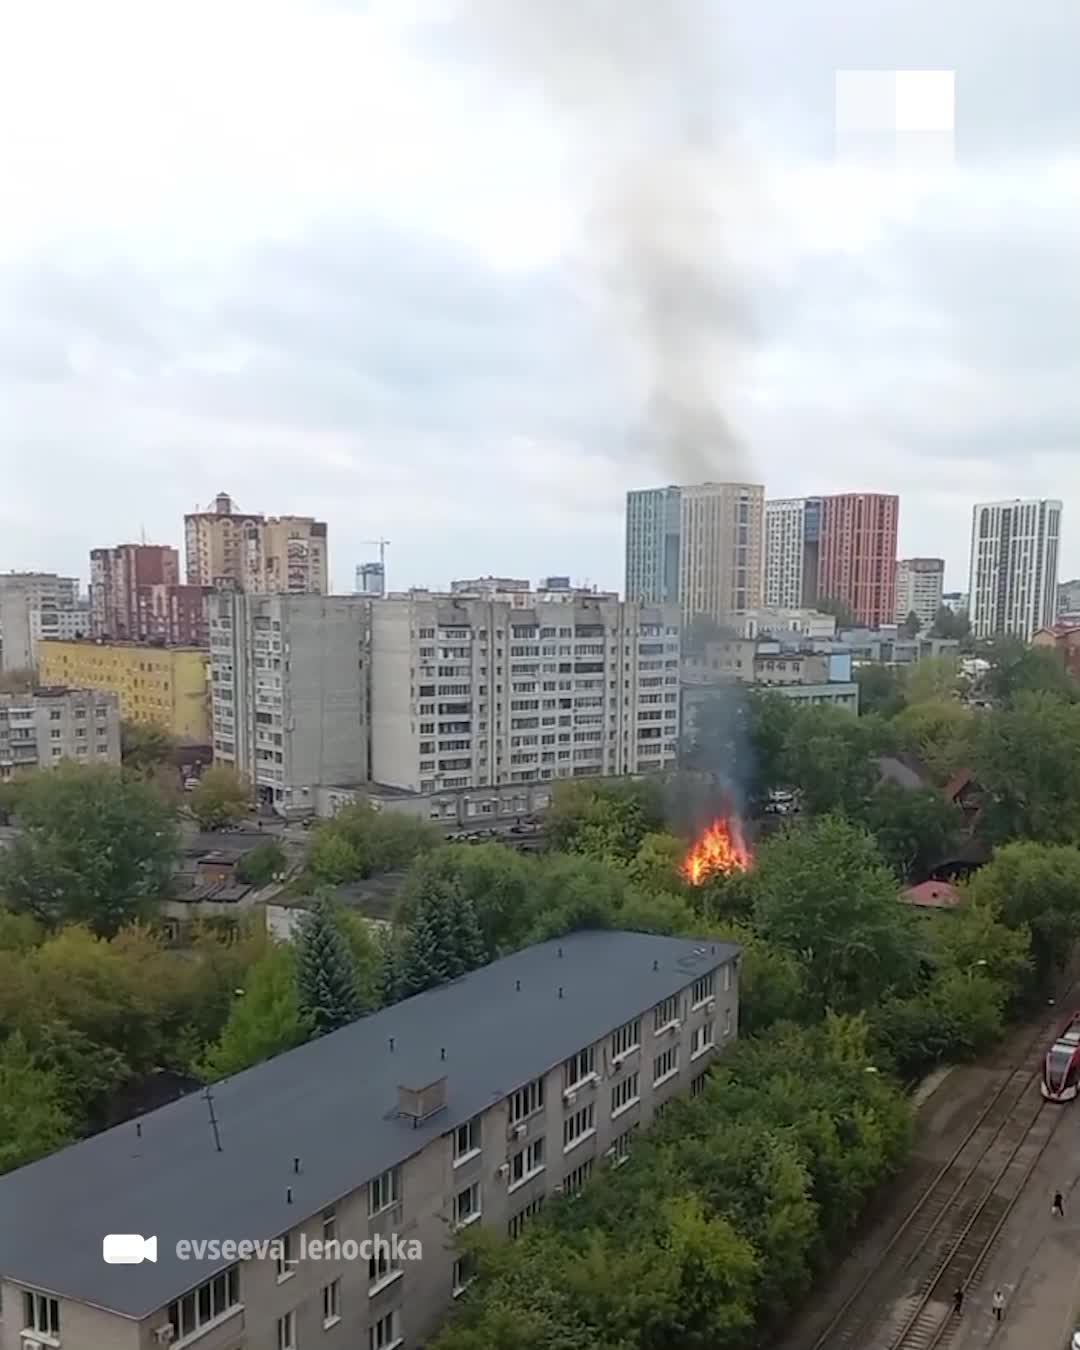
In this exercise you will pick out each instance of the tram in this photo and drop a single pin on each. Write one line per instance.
(1061, 1069)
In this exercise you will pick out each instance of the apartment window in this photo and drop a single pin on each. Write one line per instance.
(467, 1205)
(54, 715)
(527, 1101)
(381, 1268)
(329, 1225)
(666, 1014)
(665, 1066)
(620, 1146)
(578, 1067)
(727, 977)
(383, 1191)
(517, 1223)
(464, 1273)
(467, 1140)
(286, 1261)
(286, 1332)
(627, 1038)
(575, 1180)
(697, 1083)
(702, 1039)
(578, 1127)
(386, 1332)
(703, 990)
(727, 1021)
(625, 1094)
(42, 1314)
(208, 1302)
(527, 1163)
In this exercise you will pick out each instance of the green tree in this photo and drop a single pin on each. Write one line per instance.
(1017, 669)
(262, 864)
(331, 858)
(499, 882)
(840, 609)
(367, 842)
(941, 732)
(362, 939)
(94, 848)
(932, 678)
(32, 1116)
(1035, 887)
(824, 893)
(145, 746)
(1027, 763)
(914, 827)
(880, 690)
(265, 1018)
(950, 623)
(911, 626)
(604, 820)
(326, 980)
(222, 797)
(655, 865)
(829, 757)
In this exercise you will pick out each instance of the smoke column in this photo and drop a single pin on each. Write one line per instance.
(664, 193)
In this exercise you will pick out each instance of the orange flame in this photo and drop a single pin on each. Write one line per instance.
(721, 848)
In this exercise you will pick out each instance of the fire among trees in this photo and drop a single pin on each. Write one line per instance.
(720, 848)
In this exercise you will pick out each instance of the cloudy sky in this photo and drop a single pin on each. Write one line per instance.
(431, 270)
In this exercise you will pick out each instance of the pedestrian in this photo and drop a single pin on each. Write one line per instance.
(1058, 1207)
(958, 1299)
(999, 1305)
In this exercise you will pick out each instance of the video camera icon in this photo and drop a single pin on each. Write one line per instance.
(127, 1249)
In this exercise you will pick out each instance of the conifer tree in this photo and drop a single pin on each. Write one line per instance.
(326, 981)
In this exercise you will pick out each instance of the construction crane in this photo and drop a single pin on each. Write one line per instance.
(381, 544)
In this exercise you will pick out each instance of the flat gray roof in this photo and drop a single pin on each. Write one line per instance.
(331, 1103)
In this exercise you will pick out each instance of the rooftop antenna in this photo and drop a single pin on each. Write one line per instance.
(209, 1096)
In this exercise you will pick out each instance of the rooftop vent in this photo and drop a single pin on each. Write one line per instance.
(421, 1103)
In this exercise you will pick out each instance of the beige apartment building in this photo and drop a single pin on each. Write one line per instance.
(231, 549)
(477, 1102)
(474, 693)
(39, 730)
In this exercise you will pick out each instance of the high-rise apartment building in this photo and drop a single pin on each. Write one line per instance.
(34, 605)
(261, 555)
(474, 693)
(857, 559)
(701, 547)
(792, 541)
(162, 685)
(40, 729)
(289, 691)
(920, 585)
(475, 1102)
(1013, 589)
(136, 596)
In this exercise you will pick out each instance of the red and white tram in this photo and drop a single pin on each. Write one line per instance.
(1061, 1069)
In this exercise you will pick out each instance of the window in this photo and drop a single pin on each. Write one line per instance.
(518, 1222)
(703, 990)
(286, 1261)
(620, 1148)
(575, 1180)
(579, 1126)
(578, 1067)
(666, 1013)
(625, 1094)
(627, 1038)
(386, 1332)
(381, 1268)
(383, 1191)
(464, 1272)
(329, 1225)
(208, 1302)
(665, 1066)
(527, 1163)
(727, 1021)
(331, 1303)
(286, 1332)
(41, 1313)
(467, 1205)
(467, 1140)
(527, 1100)
(697, 1084)
(702, 1039)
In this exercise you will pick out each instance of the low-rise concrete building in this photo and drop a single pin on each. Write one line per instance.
(476, 1102)
(40, 729)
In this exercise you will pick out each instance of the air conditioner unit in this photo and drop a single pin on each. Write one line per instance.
(617, 1061)
(165, 1335)
(711, 1005)
(570, 1096)
(504, 1169)
(676, 1026)
(520, 1131)
(560, 1189)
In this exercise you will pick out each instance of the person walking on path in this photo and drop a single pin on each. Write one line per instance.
(1057, 1209)
(999, 1305)
(958, 1299)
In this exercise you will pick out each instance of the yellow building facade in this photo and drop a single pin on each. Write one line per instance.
(166, 685)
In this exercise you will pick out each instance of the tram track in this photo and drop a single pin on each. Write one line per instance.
(904, 1301)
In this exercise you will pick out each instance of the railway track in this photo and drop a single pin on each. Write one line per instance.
(904, 1302)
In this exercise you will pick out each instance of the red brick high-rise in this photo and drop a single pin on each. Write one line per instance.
(857, 554)
(136, 596)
